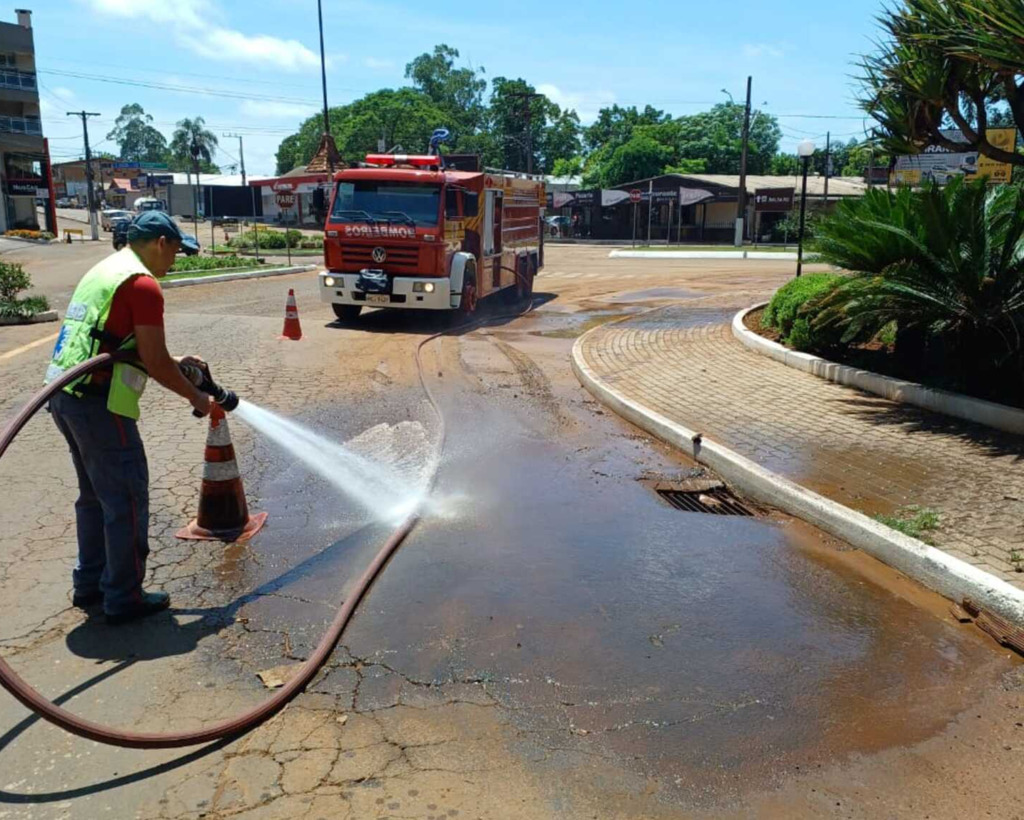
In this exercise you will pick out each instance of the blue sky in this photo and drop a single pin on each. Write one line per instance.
(252, 66)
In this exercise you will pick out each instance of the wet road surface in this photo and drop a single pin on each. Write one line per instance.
(554, 641)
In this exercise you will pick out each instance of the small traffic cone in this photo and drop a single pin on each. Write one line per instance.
(223, 513)
(292, 328)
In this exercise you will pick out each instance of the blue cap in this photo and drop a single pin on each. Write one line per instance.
(154, 224)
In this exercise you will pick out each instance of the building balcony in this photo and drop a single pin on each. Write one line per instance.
(20, 80)
(31, 126)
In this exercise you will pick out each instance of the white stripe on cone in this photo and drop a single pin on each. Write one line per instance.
(220, 470)
(218, 435)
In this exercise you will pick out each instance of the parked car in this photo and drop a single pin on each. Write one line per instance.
(557, 225)
(108, 216)
(148, 203)
(64, 202)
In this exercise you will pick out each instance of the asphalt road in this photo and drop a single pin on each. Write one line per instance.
(554, 641)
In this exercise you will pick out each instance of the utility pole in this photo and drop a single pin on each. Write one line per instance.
(93, 229)
(828, 163)
(241, 153)
(741, 207)
(323, 78)
(528, 97)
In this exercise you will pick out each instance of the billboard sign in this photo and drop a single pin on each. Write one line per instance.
(939, 164)
(774, 200)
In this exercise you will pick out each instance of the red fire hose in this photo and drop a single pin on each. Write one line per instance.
(233, 727)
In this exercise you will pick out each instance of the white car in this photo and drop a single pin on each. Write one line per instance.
(108, 216)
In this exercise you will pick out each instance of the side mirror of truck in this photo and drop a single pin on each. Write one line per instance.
(470, 203)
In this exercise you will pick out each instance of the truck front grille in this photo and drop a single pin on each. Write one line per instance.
(399, 259)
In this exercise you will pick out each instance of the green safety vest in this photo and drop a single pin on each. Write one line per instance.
(82, 333)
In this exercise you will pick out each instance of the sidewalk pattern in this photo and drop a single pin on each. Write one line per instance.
(863, 451)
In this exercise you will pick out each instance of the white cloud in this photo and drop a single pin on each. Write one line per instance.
(196, 27)
(189, 13)
(754, 50)
(375, 63)
(585, 105)
(233, 46)
(63, 93)
(276, 110)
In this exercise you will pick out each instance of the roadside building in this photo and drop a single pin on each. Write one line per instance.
(23, 151)
(689, 207)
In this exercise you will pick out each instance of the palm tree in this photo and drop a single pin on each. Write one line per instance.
(193, 143)
(946, 265)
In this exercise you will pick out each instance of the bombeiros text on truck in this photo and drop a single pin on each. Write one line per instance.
(415, 231)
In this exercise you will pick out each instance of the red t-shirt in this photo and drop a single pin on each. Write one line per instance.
(139, 301)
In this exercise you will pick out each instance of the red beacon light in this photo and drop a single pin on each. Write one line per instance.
(415, 160)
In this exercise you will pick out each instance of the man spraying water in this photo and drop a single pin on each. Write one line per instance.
(119, 306)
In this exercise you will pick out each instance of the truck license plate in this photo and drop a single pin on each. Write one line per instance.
(378, 298)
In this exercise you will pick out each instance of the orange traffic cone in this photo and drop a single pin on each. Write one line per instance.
(223, 513)
(292, 328)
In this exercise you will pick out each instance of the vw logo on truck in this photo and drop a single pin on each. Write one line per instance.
(379, 255)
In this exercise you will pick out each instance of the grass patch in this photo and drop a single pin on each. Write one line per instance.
(23, 308)
(914, 521)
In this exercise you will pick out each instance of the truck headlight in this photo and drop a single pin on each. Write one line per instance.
(422, 287)
(329, 281)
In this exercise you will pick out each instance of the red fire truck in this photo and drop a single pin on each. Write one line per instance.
(407, 232)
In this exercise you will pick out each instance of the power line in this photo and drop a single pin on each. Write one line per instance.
(185, 89)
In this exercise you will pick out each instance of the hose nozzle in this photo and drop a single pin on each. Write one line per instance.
(200, 377)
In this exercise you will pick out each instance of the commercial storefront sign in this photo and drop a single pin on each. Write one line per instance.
(21, 187)
(774, 200)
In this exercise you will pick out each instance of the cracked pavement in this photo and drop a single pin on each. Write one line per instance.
(555, 643)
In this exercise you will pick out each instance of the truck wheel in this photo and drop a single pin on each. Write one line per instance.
(347, 314)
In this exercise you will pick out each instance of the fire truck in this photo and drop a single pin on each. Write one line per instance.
(408, 231)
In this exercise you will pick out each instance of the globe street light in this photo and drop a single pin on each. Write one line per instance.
(805, 150)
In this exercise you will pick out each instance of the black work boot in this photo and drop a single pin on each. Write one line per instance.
(151, 603)
(85, 600)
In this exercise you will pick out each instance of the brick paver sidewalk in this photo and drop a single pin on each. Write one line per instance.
(860, 450)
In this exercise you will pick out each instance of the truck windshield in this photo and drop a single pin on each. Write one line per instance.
(401, 203)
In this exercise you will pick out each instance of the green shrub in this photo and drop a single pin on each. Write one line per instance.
(191, 263)
(941, 265)
(23, 308)
(13, 280)
(784, 309)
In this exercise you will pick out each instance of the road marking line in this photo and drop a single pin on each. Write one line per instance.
(10, 354)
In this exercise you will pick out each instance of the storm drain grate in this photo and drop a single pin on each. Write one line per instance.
(712, 500)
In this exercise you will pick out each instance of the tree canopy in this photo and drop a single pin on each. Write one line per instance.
(947, 64)
(137, 140)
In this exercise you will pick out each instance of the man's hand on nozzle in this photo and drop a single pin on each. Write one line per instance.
(193, 360)
(201, 403)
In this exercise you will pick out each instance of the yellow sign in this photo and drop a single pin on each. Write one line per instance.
(938, 164)
(998, 172)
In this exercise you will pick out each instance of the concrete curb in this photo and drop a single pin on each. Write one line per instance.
(39, 318)
(782, 257)
(228, 277)
(999, 416)
(949, 576)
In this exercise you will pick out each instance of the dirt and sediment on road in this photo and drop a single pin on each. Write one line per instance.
(554, 642)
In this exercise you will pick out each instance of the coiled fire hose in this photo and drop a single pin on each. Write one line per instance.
(241, 724)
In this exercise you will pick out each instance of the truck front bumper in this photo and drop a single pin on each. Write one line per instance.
(406, 292)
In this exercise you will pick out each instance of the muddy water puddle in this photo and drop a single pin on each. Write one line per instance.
(710, 650)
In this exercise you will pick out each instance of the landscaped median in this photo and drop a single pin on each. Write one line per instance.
(206, 276)
(773, 434)
(991, 414)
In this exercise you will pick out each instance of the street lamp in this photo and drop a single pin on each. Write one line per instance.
(805, 150)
